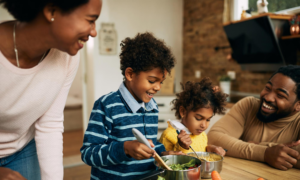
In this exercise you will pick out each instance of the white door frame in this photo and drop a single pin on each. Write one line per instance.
(87, 81)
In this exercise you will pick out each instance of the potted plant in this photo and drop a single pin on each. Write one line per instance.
(225, 85)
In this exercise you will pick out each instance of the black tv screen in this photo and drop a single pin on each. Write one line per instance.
(254, 43)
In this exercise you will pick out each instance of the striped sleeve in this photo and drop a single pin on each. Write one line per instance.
(96, 151)
(159, 148)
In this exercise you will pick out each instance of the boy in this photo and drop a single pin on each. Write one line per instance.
(109, 145)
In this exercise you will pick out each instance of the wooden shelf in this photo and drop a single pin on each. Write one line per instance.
(271, 15)
(291, 36)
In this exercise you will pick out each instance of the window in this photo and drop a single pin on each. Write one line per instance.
(276, 5)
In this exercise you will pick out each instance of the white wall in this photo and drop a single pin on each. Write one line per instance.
(238, 7)
(4, 15)
(164, 18)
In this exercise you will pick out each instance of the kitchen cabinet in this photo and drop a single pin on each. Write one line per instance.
(165, 112)
(214, 119)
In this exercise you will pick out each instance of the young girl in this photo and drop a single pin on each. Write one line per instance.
(195, 106)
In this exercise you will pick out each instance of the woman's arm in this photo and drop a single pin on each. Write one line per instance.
(49, 129)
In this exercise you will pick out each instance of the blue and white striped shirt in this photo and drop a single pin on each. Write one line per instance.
(112, 118)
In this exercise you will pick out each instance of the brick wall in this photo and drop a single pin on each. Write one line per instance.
(202, 32)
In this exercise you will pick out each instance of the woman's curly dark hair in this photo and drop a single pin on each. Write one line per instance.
(144, 52)
(197, 95)
(27, 10)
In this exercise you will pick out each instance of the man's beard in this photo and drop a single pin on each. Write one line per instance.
(266, 119)
(272, 117)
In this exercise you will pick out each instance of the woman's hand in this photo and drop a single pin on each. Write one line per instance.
(8, 174)
(138, 150)
(172, 153)
(184, 139)
(216, 149)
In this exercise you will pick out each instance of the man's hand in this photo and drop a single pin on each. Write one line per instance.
(216, 149)
(8, 174)
(172, 153)
(292, 144)
(138, 150)
(282, 156)
(184, 139)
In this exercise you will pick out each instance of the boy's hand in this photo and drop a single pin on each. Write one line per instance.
(216, 149)
(138, 150)
(172, 153)
(184, 139)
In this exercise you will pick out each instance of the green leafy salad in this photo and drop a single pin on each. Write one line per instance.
(161, 178)
(177, 167)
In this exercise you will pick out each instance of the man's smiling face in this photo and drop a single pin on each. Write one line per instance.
(278, 99)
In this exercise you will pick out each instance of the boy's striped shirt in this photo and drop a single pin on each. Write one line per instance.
(111, 121)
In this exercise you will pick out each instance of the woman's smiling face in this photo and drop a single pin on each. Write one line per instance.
(72, 29)
(145, 84)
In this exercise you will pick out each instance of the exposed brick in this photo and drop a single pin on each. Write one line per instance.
(202, 32)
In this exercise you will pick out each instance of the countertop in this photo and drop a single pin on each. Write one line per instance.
(236, 169)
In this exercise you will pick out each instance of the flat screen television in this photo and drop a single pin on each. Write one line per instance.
(254, 44)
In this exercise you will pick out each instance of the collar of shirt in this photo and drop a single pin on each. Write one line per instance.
(132, 103)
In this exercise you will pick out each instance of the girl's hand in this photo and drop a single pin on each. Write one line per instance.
(138, 150)
(184, 139)
(216, 149)
(172, 153)
(216, 89)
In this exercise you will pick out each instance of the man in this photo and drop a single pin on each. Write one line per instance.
(265, 129)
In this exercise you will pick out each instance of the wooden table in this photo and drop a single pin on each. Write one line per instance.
(241, 169)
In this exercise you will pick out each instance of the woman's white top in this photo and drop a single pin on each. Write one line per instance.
(31, 106)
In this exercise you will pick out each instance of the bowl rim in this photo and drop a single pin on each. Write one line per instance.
(222, 157)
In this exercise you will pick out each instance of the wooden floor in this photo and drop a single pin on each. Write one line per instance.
(72, 144)
(78, 173)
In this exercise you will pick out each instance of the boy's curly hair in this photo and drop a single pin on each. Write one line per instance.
(144, 52)
(199, 95)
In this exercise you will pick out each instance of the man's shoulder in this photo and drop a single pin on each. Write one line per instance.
(249, 102)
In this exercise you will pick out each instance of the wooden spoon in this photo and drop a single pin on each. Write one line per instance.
(141, 138)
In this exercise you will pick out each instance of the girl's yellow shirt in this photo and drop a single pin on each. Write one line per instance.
(170, 141)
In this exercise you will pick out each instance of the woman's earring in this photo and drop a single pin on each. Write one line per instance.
(52, 19)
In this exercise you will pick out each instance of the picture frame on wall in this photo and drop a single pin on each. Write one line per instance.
(108, 39)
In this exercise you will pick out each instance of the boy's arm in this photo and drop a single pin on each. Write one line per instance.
(159, 148)
(95, 150)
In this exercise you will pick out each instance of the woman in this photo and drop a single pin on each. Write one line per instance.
(38, 62)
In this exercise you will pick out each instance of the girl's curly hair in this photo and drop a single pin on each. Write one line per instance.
(144, 52)
(197, 95)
